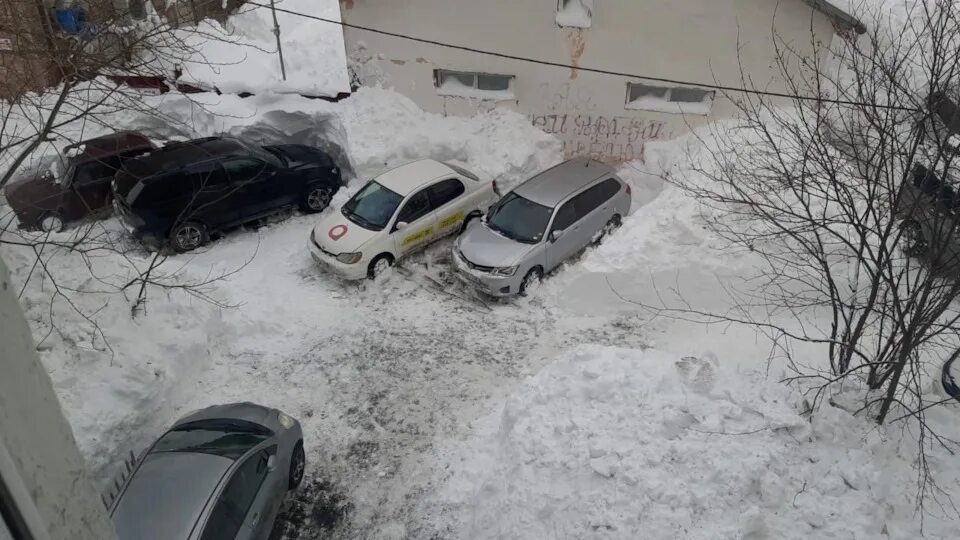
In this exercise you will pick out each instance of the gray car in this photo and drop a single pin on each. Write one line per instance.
(219, 473)
(541, 223)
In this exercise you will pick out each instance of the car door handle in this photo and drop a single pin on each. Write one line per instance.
(255, 518)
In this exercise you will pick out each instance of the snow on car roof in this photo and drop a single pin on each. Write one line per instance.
(405, 179)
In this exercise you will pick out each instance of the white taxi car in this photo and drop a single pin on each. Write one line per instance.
(397, 213)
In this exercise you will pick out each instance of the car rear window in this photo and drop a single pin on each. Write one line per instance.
(462, 172)
(226, 438)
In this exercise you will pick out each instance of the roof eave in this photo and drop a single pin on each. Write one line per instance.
(839, 16)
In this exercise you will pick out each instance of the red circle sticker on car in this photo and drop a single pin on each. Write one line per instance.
(337, 232)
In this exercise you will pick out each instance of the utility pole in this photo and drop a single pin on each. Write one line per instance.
(276, 32)
(45, 492)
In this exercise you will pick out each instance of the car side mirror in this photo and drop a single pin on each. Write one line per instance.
(401, 225)
(555, 235)
(271, 463)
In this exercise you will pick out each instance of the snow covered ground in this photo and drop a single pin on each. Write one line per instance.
(430, 413)
(241, 54)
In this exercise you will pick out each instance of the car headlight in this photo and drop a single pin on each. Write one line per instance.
(350, 258)
(504, 271)
(286, 421)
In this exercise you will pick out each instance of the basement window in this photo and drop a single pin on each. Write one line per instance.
(575, 13)
(675, 100)
(474, 85)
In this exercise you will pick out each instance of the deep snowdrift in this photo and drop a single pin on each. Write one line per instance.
(121, 378)
(114, 374)
(370, 131)
(241, 55)
(621, 443)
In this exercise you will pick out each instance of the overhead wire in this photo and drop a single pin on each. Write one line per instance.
(628, 75)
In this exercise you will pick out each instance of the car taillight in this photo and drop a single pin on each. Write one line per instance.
(629, 190)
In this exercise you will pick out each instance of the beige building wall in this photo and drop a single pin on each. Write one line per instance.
(695, 40)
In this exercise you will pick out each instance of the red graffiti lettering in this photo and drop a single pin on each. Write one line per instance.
(608, 138)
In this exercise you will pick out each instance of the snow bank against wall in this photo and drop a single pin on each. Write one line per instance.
(376, 129)
(120, 384)
(241, 55)
(118, 378)
(618, 443)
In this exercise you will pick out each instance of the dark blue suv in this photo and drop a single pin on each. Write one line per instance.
(182, 193)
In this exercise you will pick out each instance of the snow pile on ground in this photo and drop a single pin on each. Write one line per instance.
(385, 129)
(241, 55)
(117, 377)
(671, 226)
(620, 443)
(369, 132)
(120, 387)
(373, 130)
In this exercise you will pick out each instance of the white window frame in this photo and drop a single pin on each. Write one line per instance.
(562, 20)
(473, 91)
(666, 104)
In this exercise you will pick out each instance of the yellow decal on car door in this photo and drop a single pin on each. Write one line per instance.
(417, 236)
(452, 220)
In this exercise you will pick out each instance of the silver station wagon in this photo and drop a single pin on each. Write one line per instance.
(541, 223)
(220, 473)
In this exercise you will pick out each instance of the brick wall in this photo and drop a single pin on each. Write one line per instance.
(24, 59)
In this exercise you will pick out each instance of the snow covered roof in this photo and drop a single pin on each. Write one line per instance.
(839, 15)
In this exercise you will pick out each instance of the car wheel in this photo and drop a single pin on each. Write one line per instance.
(188, 236)
(317, 199)
(913, 241)
(379, 265)
(531, 281)
(51, 222)
(298, 463)
(611, 225)
(466, 222)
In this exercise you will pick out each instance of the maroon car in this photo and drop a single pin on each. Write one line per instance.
(73, 186)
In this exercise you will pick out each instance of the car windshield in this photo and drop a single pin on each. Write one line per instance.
(372, 206)
(261, 153)
(226, 438)
(52, 166)
(519, 219)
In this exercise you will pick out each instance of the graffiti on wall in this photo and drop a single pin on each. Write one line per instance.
(605, 138)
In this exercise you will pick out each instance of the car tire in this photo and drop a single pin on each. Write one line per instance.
(612, 224)
(466, 222)
(377, 267)
(533, 277)
(51, 222)
(913, 240)
(188, 236)
(316, 199)
(298, 464)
